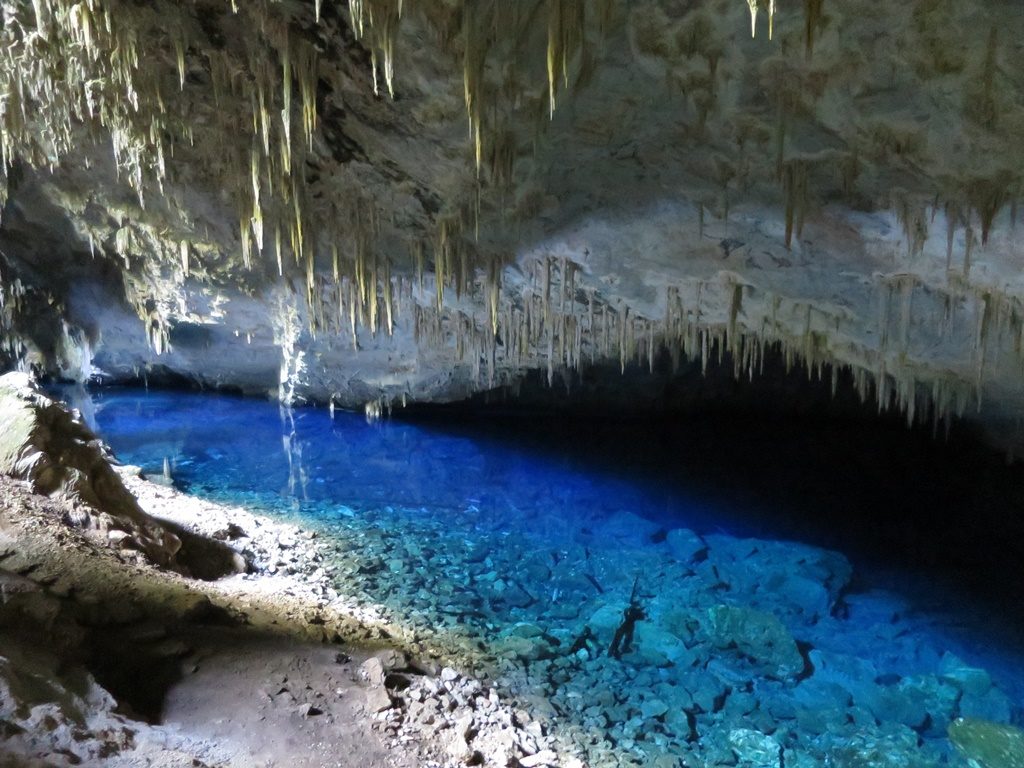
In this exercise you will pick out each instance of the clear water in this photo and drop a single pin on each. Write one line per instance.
(466, 532)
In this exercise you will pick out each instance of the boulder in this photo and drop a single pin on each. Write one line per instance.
(757, 635)
(903, 703)
(889, 746)
(992, 705)
(973, 681)
(806, 580)
(627, 527)
(685, 545)
(988, 745)
(754, 749)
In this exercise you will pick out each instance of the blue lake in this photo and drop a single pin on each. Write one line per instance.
(487, 527)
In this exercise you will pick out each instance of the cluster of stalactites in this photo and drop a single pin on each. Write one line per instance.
(555, 321)
(755, 5)
(490, 93)
(70, 69)
(375, 23)
(65, 63)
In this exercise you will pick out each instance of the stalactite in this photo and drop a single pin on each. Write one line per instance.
(735, 304)
(812, 20)
(952, 216)
(794, 183)
(968, 247)
(906, 298)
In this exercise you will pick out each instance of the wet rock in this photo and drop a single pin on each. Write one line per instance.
(988, 745)
(510, 595)
(758, 635)
(658, 647)
(971, 680)
(806, 596)
(628, 528)
(528, 648)
(605, 620)
(889, 746)
(993, 705)
(918, 702)
(685, 545)
(856, 675)
(821, 705)
(754, 749)
(707, 692)
(651, 708)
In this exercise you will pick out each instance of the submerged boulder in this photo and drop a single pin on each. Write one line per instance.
(754, 749)
(804, 581)
(628, 528)
(757, 635)
(973, 681)
(988, 745)
(685, 545)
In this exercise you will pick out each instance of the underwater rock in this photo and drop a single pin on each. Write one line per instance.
(605, 620)
(992, 705)
(651, 708)
(629, 528)
(971, 680)
(774, 575)
(758, 635)
(685, 545)
(988, 745)
(921, 702)
(754, 749)
(888, 746)
(527, 648)
(707, 691)
(657, 646)
(807, 596)
(510, 595)
(822, 705)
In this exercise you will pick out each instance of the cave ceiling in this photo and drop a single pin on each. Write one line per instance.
(376, 200)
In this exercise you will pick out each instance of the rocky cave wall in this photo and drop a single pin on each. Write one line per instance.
(284, 198)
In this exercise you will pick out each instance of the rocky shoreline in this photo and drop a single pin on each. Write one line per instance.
(140, 626)
(413, 698)
(422, 714)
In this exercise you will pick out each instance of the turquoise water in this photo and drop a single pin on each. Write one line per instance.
(517, 539)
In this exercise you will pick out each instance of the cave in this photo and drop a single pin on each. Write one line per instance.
(542, 383)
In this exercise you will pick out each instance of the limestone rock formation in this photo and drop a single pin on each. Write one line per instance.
(45, 444)
(373, 201)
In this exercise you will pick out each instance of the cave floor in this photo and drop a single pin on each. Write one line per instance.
(107, 661)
